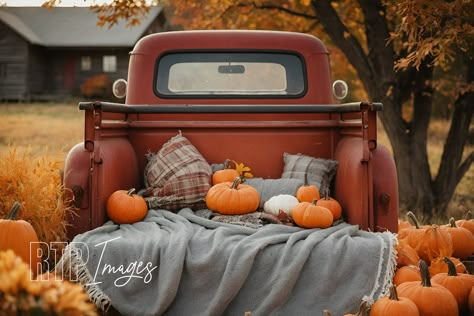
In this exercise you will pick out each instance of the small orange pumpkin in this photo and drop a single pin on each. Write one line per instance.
(232, 198)
(406, 255)
(227, 174)
(331, 204)
(439, 266)
(406, 274)
(430, 298)
(20, 236)
(310, 215)
(393, 305)
(125, 207)
(307, 192)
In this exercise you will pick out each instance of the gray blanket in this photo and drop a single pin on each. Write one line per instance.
(183, 264)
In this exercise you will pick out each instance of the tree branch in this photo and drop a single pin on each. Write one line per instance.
(280, 8)
(345, 40)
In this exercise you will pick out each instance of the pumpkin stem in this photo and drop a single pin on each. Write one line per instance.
(227, 163)
(131, 191)
(326, 194)
(393, 293)
(413, 218)
(236, 182)
(363, 308)
(327, 313)
(306, 183)
(425, 273)
(468, 216)
(14, 210)
(452, 222)
(451, 267)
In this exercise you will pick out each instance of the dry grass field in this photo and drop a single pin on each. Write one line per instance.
(52, 129)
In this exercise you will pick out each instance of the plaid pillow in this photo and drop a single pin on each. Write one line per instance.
(320, 171)
(177, 176)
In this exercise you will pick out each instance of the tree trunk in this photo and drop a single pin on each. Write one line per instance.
(417, 191)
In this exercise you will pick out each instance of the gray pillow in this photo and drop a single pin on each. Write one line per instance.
(320, 171)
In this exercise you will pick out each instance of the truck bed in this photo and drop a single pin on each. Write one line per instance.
(117, 138)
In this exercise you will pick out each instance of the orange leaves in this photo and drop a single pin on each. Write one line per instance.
(433, 29)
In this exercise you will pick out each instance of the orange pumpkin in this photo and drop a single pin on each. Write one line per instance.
(406, 254)
(439, 266)
(125, 207)
(430, 298)
(227, 174)
(331, 204)
(393, 305)
(467, 222)
(232, 198)
(307, 192)
(456, 284)
(429, 241)
(462, 240)
(406, 274)
(404, 224)
(310, 215)
(20, 236)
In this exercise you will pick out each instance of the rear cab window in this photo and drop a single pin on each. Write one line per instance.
(230, 74)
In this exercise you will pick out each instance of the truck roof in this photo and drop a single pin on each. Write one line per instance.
(225, 39)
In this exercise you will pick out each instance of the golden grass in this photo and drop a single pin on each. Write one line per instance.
(35, 182)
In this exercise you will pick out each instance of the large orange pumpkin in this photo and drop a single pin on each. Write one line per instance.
(307, 192)
(232, 198)
(393, 305)
(310, 215)
(456, 284)
(227, 174)
(430, 298)
(429, 241)
(21, 237)
(125, 207)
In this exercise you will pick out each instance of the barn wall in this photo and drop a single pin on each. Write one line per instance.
(13, 64)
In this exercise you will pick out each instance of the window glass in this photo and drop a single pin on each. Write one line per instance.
(109, 63)
(228, 73)
(86, 63)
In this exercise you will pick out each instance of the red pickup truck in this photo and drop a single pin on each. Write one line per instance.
(252, 96)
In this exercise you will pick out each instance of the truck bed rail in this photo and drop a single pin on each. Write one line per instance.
(232, 108)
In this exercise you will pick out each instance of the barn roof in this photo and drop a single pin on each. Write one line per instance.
(72, 27)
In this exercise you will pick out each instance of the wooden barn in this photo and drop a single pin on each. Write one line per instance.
(48, 53)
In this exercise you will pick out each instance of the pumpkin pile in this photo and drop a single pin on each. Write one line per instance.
(430, 269)
(22, 294)
(229, 195)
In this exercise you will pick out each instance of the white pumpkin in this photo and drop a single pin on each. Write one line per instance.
(284, 202)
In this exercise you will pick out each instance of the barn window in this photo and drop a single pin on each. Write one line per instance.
(86, 63)
(109, 63)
